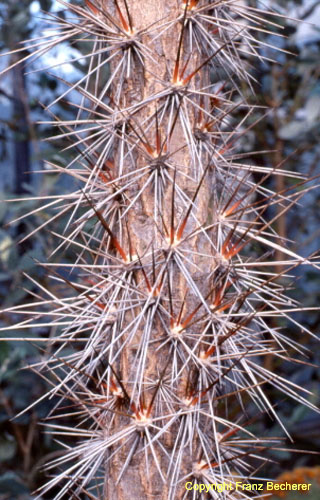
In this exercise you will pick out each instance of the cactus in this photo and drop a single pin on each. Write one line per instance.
(166, 310)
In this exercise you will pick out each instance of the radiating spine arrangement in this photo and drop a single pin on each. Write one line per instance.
(167, 307)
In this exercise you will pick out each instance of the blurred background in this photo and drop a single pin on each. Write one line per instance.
(291, 130)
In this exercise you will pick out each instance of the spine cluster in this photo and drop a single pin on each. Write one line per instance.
(165, 316)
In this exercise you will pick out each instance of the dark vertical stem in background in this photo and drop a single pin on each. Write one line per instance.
(14, 31)
(21, 143)
(278, 156)
(22, 161)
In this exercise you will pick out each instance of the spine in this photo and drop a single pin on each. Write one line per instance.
(163, 319)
